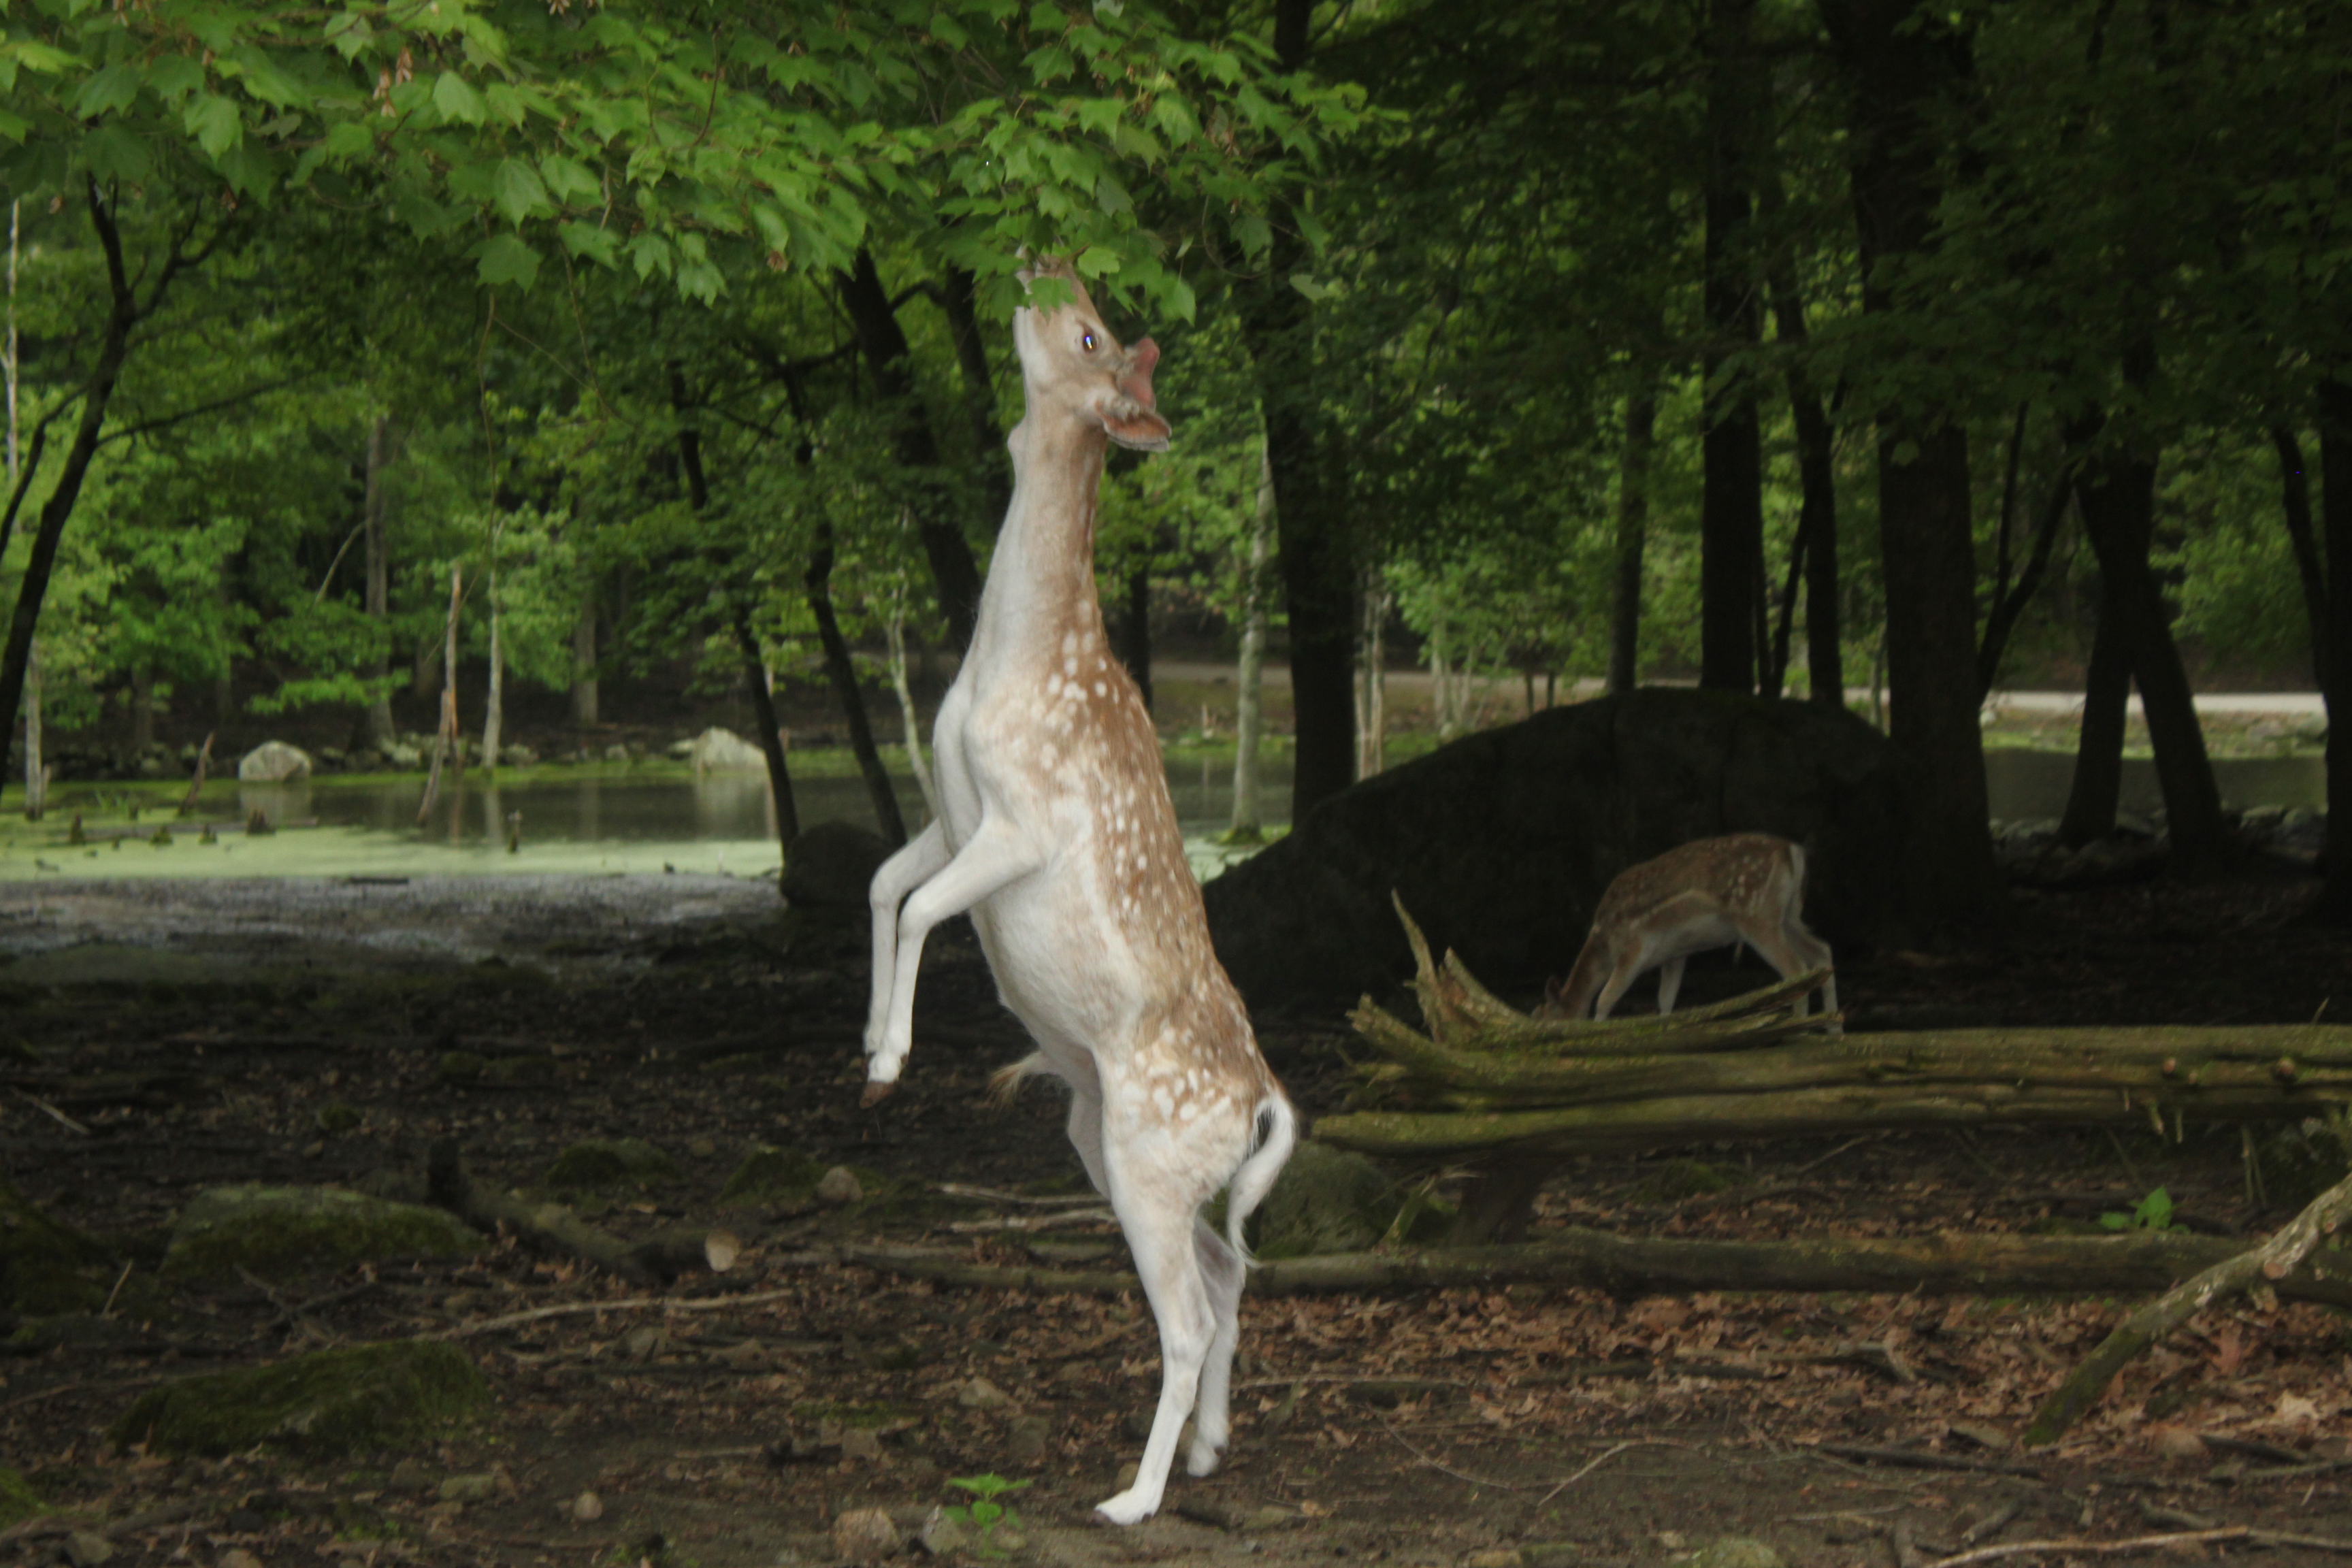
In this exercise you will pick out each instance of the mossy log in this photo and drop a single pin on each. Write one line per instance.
(1954, 1263)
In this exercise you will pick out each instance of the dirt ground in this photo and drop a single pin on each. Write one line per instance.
(157, 1039)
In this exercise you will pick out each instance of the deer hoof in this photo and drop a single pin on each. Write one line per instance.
(876, 1093)
(1127, 1508)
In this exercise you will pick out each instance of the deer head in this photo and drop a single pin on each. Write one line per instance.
(1071, 363)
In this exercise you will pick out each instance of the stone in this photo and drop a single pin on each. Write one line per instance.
(2177, 1442)
(865, 1535)
(237, 1557)
(982, 1394)
(1025, 1441)
(943, 1534)
(401, 754)
(861, 1442)
(768, 1175)
(274, 761)
(1734, 1551)
(586, 1509)
(411, 1476)
(616, 752)
(87, 1548)
(1502, 843)
(1326, 1200)
(278, 1230)
(839, 1185)
(2311, 729)
(518, 757)
(832, 865)
(480, 1488)
(721, 751)
(320, 1407)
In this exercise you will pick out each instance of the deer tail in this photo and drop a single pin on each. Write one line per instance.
(1004, 1083)
(1273, 1132)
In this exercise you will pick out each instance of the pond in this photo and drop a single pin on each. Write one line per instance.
(652, 818)
(659, 817)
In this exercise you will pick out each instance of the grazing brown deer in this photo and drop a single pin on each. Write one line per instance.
(1055, 832)
(1743, 887)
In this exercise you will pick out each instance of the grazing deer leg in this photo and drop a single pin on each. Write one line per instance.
(998, 854)
(1157, 1216)
(901, 874)
(1670, 981)
(1626, 971)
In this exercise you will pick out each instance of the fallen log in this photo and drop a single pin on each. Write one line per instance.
(2263, 1265)
(1954, 1263)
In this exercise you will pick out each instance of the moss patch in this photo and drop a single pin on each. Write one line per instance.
(321, 1407)
(1326, 1200)
(1678, 1179)
(774, 1175)
(281, 1229)
(597, 1163)
(18, 1500)
(45, 1266)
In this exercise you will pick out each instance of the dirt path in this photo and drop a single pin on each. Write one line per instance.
(1440, 1428)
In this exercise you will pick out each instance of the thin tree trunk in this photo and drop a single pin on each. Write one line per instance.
(106, 369)
(445, 737)
(37, 772)
(2008, 604)
(424, 675)
(584, 664)
(2097, 786)
(1776, 657)
(1632, 530)
(1249, 695)
(1731, 500)
(1817, 479)
(894, 631)
(1372, 717)
(380, 731)
(1897, 66)
(494, 714)
(883, 343)
(2336, 499)
(771, 737)
(979, 395)
(1317, 577)
(2295, 506)
(841, 671)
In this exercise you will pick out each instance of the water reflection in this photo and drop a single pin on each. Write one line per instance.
(2025, 786)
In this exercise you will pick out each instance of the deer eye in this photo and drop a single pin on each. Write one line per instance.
(1086, 341)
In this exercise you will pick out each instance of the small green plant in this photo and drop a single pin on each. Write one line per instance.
(2153, 1212)
(984, 1512)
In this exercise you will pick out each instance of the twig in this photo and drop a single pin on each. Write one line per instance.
(1591, 1464)
(39, 1102)
(2144, 1543)
(632, 1304)
(1922, 1459)
(1458, 1474)
(991, 1196)
(1849, 1143)
(107, 1310)
(1055, 1221)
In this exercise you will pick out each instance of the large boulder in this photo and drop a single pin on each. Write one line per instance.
(279, 1230)
(274, 761)
(832, 865)
(721, 751)
(1502, 844)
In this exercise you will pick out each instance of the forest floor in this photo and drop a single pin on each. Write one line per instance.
(198, 1035)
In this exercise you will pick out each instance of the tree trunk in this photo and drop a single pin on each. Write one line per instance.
(1817, 479)
(1632, 530)
(1249, 694)
(37, 772)
(380, 731)
(494, 709)
(106, 369)
(584, 664)
(446, 739)
(1731, 500)
(894, 631)
(979, 396)
(1897, 65)
(2335, 500)
(883, 343)
(1131, 628)
(1317, 577)
(1373, 688)
(2295, 508)
(841, 671)
(2097, 784)
(424, 675)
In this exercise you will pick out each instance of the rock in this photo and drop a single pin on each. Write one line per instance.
(2132, 824)
(2311, 729)
(1983, 1435)
(480, 1488)
(336, 1117)
(865, 1535)
(1496, 1557)
(586, 1509)
(87, 1548)
(1734, 1551)
(832, 865)
(1271, 1516)
(680, 751)
(1326, 1200)
(982, 1394)
(237, 1557)
(839, 1185)
(943, 1534)
(411, 1476)
(861, 1442)
(1025, 1440)
(616, 752)
(723, 751)
(2175, 1443)
(401, 754)
(321, 1406)
(279, 1229)
(1501, 843)
(598, 1163)
(518, 757)
(768, 1175)
(274, 761)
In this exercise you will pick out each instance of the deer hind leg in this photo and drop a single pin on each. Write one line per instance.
(1156, 1211)
(1670, 981)
(1792, 953)
(1222, 1270)
(1813, 953)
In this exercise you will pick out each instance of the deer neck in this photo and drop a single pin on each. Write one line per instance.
(1041, 581)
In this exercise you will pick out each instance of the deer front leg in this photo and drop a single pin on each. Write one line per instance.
(914, 864)
(996, 856)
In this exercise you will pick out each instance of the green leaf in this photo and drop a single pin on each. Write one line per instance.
(109, 91)
(114, 153)
(601, 245)
(12, 126)
(350, 139)
(457, 100)
(568, 179)
(174, 77)
(517, 192)
(1097, 261)
(507, 259)
(216, 124)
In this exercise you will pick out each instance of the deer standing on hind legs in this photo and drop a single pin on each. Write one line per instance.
(1055, 832)
(1712, 892)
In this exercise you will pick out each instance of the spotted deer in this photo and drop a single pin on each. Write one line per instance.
(1056, 833)
(1712, 892)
